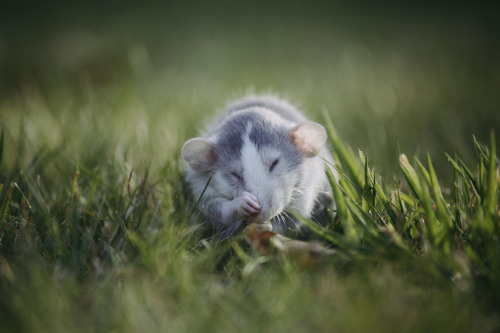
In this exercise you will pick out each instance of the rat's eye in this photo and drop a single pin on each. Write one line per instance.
(237, 176)
(273, 165)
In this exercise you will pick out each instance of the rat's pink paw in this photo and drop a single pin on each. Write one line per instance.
(248, 205)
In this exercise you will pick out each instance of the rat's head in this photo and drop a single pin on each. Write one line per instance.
(255, 151)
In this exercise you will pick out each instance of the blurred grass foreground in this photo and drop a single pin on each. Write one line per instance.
(97, 98)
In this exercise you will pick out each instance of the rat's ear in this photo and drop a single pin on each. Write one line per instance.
(199, 153)
(309, 138)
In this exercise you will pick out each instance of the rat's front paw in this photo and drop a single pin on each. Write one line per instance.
(248, 205)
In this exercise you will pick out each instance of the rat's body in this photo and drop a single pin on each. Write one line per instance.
(261, 157)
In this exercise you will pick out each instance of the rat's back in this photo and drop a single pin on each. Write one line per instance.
(280, 106)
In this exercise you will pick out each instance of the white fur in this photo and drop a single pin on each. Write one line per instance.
(260, 182)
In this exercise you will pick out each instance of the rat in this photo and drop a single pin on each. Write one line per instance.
(258, 161)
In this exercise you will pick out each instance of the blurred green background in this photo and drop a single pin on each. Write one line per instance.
(395, 77)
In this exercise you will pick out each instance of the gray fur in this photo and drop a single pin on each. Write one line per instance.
(270, 102)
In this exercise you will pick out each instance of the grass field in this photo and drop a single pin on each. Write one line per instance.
(96, 101)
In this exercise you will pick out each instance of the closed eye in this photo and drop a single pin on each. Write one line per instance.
(273, 165)
(237, 176)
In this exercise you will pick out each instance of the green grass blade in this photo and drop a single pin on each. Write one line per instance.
(431, 224)
(402, 207)
(5, 203)
(362, 218)
(374, 192)
(443, 215)
(466, 175)
(328, 235)
(492, 178)
(479, 150)
(491, 203)
(342, 211)
(472, 179)
(424, 171)
(410, 175)
(2, 135)
(409, 200)
(456, 195)
(482, 180)
(366, 199)
(347, 185)
(344, 155)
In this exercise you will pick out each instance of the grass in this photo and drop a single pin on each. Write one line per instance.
(93, 229)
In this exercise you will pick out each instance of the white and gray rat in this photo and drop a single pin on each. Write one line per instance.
(261, 155)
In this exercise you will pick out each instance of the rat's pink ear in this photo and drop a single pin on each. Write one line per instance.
(309, 138)
(199, 153)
